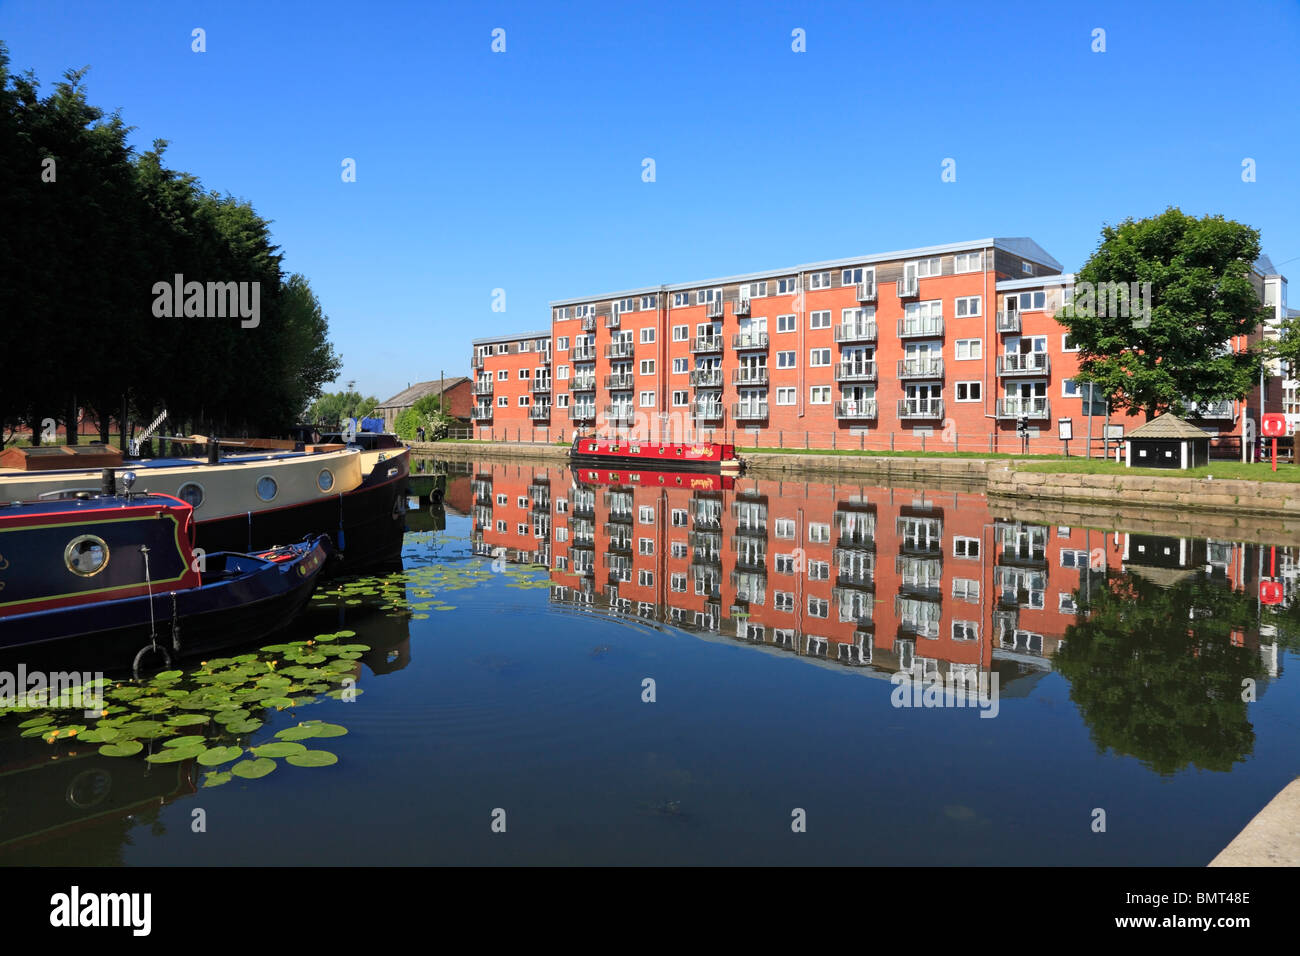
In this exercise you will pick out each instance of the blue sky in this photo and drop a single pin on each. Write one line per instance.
(522, 170)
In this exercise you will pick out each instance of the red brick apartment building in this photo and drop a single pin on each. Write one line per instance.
(942, 347)
(901, 578)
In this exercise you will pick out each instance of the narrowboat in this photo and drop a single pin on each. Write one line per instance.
(648, 478)
(624, 453)
(247, 495)
(123, 576)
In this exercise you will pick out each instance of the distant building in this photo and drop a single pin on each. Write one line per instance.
(456, 393)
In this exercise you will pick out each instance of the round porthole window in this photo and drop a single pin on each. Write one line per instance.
(266, 488)
(325, 480)
(86, 555)
(191, 493)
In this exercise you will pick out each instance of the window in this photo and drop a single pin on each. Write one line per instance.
(503, 401)
(621, 306)
(819, 280)
(562, 344)
(647, 399)
(965, 630)
(929, 267)
(819, 570)
(678, 549)
(965, 547)
(968, 305)
(1068, 344)
(646, 514)
(649, 302)
(783, 563)
(523, 401)
(522, 501)
(966, 589)
(681, 399)
(785, 396)
(787, 286)
(1026, 268)
(681, 333)
(855, 276)
(501, 526)
(1070, 388)
(681, 299)
(645, 579)
(819, 395)
(820, 319)
(969, 391)
(1029, 301)
(787, 323)
(1074, 559)
(680, 518)
(647, 335)
(645, 545)
(970, 349)
(564, 313)
(785, 360)
(819, 532)
(502, 375)
(819, 357)
(1065, 603)
(562, 373)
(562, 400)
(818, 607)
(783, 601)
(521, 530)
(681, 366)
(968, 262)
(708, 295)
(784, 528)
(647, 366)
(677, 582)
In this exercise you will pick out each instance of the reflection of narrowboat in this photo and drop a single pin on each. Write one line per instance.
(252, 499)
(623, 453)
(691, 480)
(121, 574)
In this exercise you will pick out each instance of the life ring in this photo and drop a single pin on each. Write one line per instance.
(661, 479)
(149, 648)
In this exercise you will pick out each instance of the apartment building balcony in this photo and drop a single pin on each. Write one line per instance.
(583, 353)
(1024, 363)
(867, 291)
(582, 413)
(480, 412)
(742, 305)
(913, 408)
(862, 331)
(583, 383)
(750, 375)
(1212, 411)
(714, 309)
(706, 343)
(539, 412)
(1008, 321)
(708, 412)
(589, 323)
(749, 557)
(706, 378)
(476, 361)
(483, 386)
(749, 410)
(855, 370)
(611, 320)
(930, 367)
(620, 413)
(920, 328)
(858, 408)
(1031, 408)
(749, 340)
(541, 385)
(908, 289)
(619, 349)
(619, 381)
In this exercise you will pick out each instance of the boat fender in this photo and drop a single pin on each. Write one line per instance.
(679, 479)
(149, 649)
(176, 628)
(661, 479)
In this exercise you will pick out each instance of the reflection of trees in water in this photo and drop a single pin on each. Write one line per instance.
(1155, 674)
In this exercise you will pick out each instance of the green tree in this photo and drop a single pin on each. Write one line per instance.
(426, 412)
(332, 407)
(1170, 356)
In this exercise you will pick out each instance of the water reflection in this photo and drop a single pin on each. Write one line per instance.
(1157, 636)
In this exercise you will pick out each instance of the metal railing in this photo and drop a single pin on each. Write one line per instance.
(749, 410)
(920, 408)
(714, 310)
(749, 340)
(860, 331)
(483, 386)
(583, 353)
(742, 305)
(1022, 408)
(930, 367)
(619, 349)
(611, 320)
(867, 290)
(707, 412)
(582, 413)
(541, 385)
(706, 343)
(908, 290)
(855, 370)
(583, 383)
(856, 408)
(539, 412)
(706, 378)
(1024, 363)
(1008, 321)
(750, 375)
(621, 381)
(914, 328)
(589, 323)
(480, 412)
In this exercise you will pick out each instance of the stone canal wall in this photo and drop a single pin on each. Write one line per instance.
(490, 451)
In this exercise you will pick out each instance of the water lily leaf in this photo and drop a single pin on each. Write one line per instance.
(143, 728)
(244, 726)
(312, 758)
(175, 754)
(276, 648)
(219, 755)
(124, 748)
(187, 720)
(345, 633)
(253, 769)
(167, 677)
(279, 703)
(216, 779)
(230, 716)
(100, 735)
(350, 656)
(187, 741)
(37, 721)
(279, 748)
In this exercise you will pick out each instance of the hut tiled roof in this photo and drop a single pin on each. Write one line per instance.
(410, 396)
(1167, 427)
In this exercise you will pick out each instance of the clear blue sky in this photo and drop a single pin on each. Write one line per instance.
(522, 170)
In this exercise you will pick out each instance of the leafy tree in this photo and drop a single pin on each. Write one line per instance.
(1172, 356)
(332, 407)
(426, 412)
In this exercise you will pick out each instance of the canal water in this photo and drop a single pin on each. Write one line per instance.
(607, 668)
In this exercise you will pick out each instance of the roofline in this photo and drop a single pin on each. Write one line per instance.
(1034, 282)
(493, 339)
(1005, 244)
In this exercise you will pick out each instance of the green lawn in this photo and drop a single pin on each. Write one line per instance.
(1254, 471)
(868, 453)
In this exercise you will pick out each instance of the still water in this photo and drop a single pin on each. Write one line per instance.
(623, 671)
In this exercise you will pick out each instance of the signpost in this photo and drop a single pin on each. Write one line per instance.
(1273, 426)
(1065, 431)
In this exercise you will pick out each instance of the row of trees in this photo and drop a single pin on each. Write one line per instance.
(90, 228)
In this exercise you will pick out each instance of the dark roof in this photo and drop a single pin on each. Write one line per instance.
(417, 391)
(1168, 427)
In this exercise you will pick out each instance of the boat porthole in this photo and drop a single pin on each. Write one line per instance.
(191, 493)
(266, 488)
(325, 480)
(89, 789)
(86, 555)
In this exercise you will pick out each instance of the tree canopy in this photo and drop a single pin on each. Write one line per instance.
(93, 229)
(1166, 351)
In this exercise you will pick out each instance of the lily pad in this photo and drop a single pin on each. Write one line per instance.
(124, 748)
(187, 720)
(176, 754)
(214, 756)
(187, 741)
(279, 748)
(217, 778)
(312, 758)
(243, 726)
(253, 769)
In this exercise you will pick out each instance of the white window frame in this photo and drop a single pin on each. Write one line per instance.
(813, 354)
(974, 350)
(819, 390)
(787, 395)
(956, 394)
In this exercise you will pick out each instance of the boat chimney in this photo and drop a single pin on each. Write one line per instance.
(108, 483)
(214, 453)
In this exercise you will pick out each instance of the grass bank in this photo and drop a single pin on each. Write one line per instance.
(1223, 470)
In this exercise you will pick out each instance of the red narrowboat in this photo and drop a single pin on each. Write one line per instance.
(625, 453)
